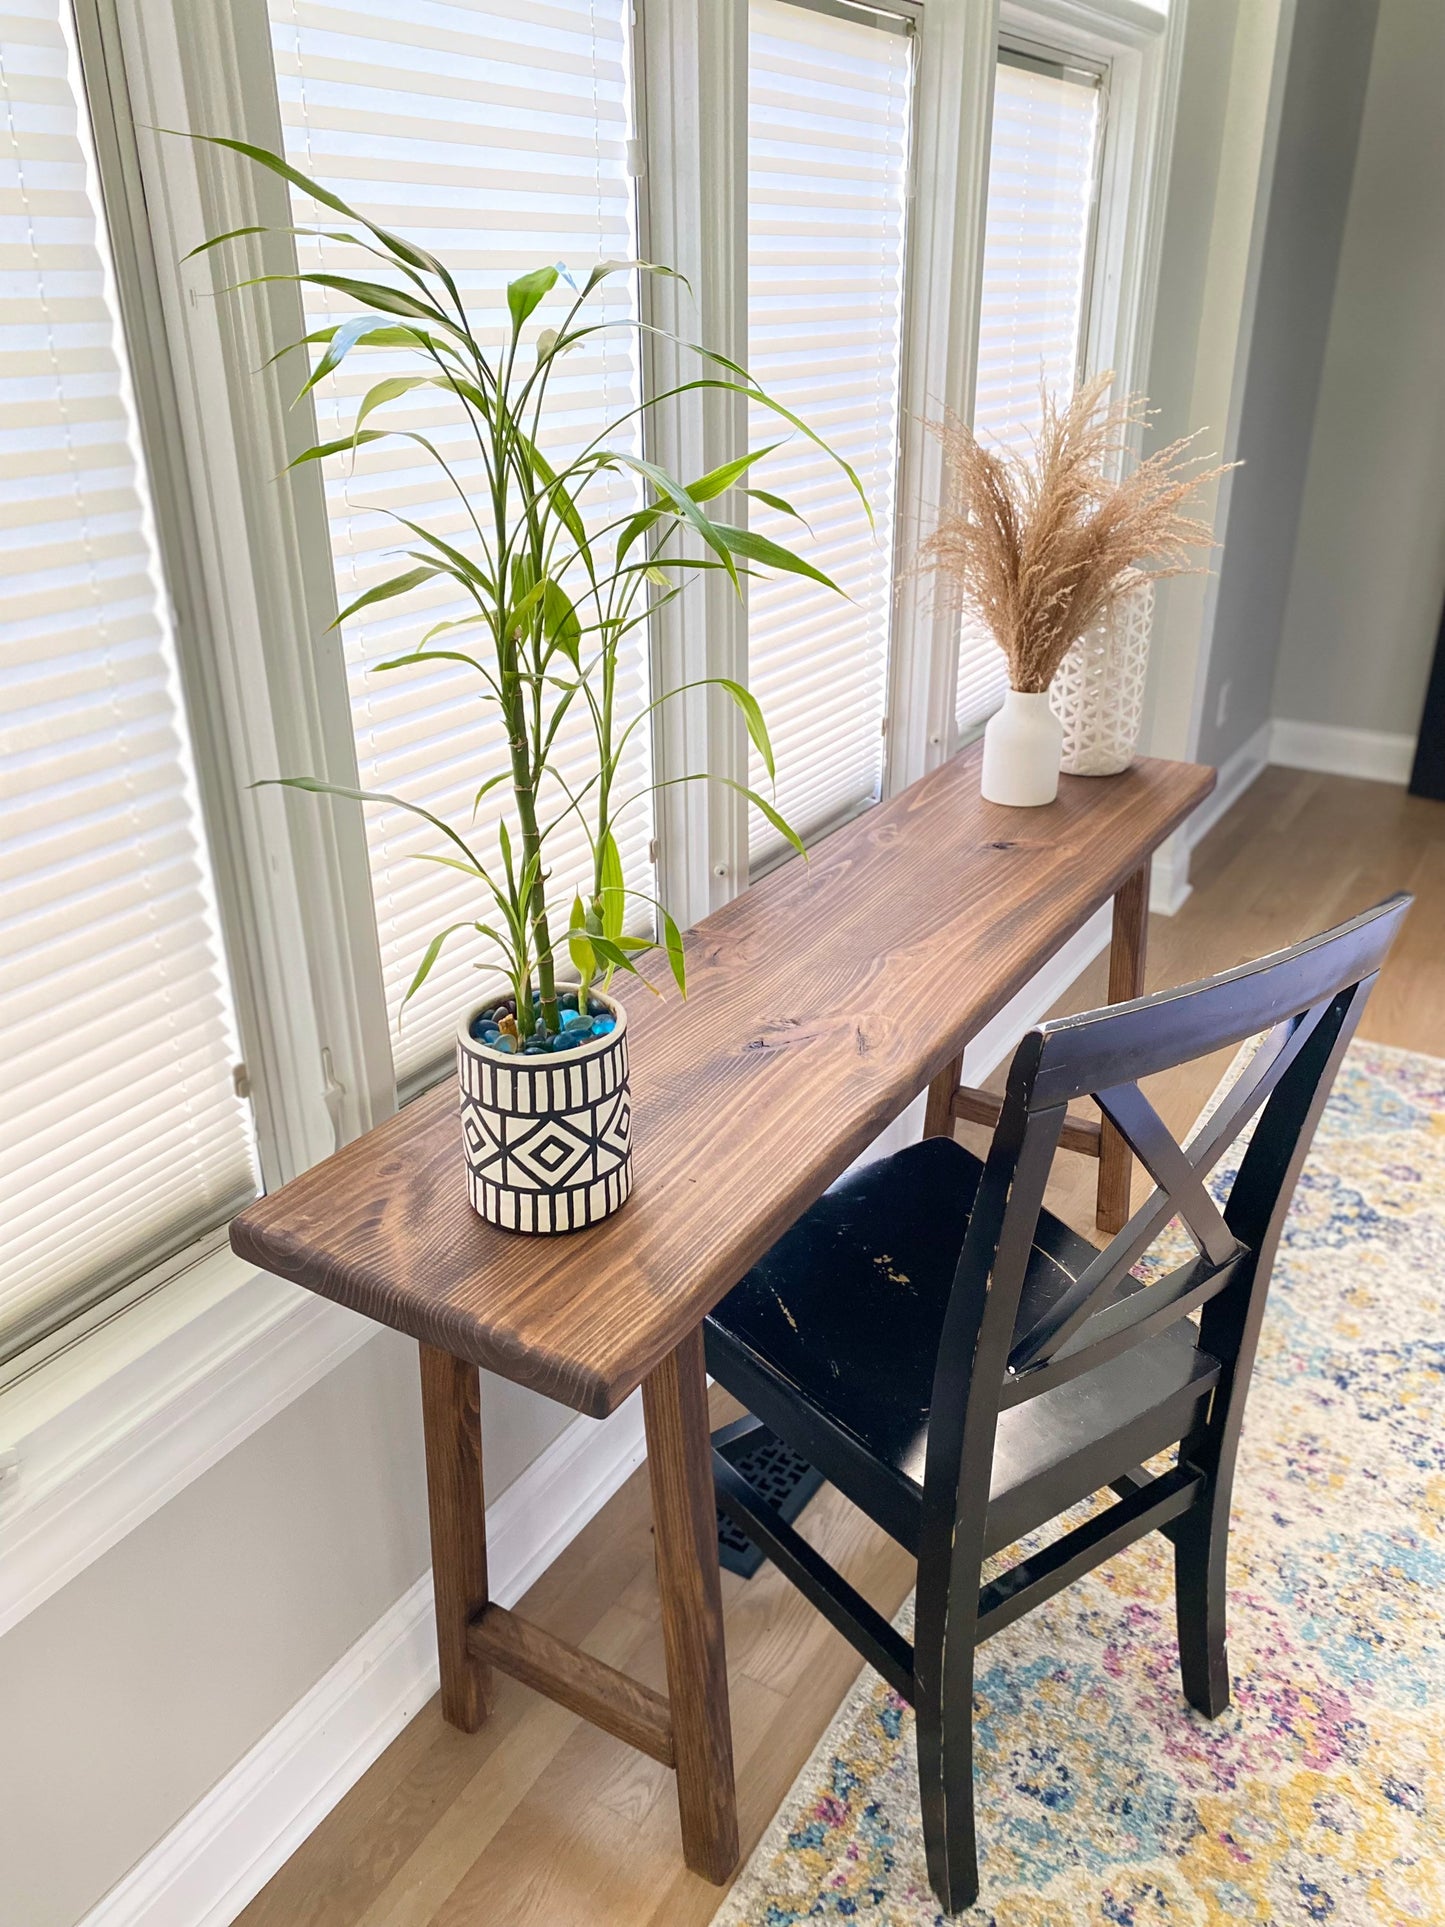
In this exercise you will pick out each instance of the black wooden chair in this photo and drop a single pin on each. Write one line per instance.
(966, 1368)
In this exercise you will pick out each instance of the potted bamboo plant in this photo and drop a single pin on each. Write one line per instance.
(555, 583)
(1044, 543)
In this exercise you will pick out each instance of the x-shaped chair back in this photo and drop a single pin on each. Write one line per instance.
(1010, 1336)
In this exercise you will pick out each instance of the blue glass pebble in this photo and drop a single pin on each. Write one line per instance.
(603, 1026)
(571, 1018)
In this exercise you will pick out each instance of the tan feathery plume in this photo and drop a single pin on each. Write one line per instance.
(1039, 545)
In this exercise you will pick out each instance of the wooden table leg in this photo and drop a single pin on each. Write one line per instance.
(938, 1116)
(452, 1426)
(679, 1462)
(1126, 980)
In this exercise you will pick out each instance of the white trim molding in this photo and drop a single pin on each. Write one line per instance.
(1376, 754)
(221, 1854)
(250, 553)
(1169, 885)
(104, 1433)
(691, 101)
(1236, 773)
(953, 112)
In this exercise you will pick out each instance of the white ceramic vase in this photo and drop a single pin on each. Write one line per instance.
(1021, 750)
(547, 1140)
(1098, 694)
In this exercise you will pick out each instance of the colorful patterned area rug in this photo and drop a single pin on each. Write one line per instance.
(1319, 1796)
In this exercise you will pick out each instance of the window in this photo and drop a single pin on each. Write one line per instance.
(497, 136)
(781, 141)
(1043, 166)
(829, 100)
(122, 1136)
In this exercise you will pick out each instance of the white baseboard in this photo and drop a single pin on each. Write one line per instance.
(1372, 753)
(1236, 773)
(1377, 754)
(220, 1855)
(227, 1847)
(107, 1432)
(1169, 884)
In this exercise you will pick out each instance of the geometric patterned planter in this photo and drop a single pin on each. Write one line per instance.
(547, 1140)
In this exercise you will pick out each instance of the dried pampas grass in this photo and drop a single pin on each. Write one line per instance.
(1040, 545)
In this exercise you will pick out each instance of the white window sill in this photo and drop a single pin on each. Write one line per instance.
(100, 1437)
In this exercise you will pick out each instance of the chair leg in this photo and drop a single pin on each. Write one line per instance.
(1201, 1550)
(945, 1786)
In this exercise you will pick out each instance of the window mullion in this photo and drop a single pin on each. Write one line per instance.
(251, 559)
(952, 107)
(693, 94)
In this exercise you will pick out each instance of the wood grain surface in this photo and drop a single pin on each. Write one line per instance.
(452, 1430)
(621, 1706)
(820, 1002)
(1127, 957)
(986, 1107)
(689, 1589)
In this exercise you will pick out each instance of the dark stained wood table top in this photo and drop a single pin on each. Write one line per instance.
(819, 1003)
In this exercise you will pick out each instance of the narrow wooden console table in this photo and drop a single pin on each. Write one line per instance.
(820, 1003)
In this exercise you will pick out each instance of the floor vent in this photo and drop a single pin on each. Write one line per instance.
(784, 1479)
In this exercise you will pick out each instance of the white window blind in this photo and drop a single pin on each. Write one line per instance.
(121, 1136)
(828, 155)
(496, 136)
(1041, 174)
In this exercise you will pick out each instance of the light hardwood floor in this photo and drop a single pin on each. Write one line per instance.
(541, 1821)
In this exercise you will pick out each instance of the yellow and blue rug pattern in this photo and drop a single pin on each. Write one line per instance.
(1319, 1796)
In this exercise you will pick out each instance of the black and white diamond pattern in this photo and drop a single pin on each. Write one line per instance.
(614, 1132)
(481, 1136)
(551, 1151)
(548, 1145)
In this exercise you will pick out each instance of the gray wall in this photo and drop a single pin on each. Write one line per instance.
(129, 1694)
(1220, 167)
(1320, 118)
(1369, 568)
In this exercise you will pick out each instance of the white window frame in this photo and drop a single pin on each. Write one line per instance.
(908, 16)
(693, 56)
(126, 1404)
(952, 110)
(692, 92)
(1139, 51)
(166, 1378)
(248, 547)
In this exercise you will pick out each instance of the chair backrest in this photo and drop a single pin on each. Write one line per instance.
(1006, 1338)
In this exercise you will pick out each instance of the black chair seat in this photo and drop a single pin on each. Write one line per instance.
(833, 1337)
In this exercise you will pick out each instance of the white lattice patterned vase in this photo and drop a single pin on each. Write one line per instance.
(1098, 693)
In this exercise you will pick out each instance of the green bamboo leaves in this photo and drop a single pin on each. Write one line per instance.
(553, 586)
